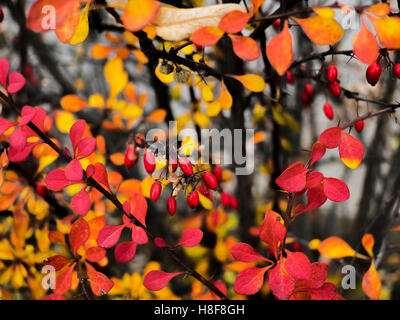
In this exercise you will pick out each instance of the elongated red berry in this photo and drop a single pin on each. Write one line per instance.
(185, 166)
(1, 15)
(149, 162)
(41, 190)
(225, 199)
(210, 180)
(373, 73)
(155, 191)
(233, 202)
(131, 157)
(359, 125)
(289, 77)
(309, 90)
(205, 191)
(171, 205)
(276, 24)
(335, 89)
(174, 163)
(217, 170)
(328, 110)
(193, 199)
(331, 73)
(396, 70)
(305, 98)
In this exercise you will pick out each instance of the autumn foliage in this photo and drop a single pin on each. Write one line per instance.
(83, 191)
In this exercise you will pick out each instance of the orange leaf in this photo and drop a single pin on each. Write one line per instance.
(234, 21)
(139, 13)
(245, 47)
(380, 9)
(272, 230)
(365, 46)
(335, 247)
(280, 51)
(368, 242)
(157, 115)
(371, 283)
(251, 82)
(351, 151)
(387, 30)
(99, 283)
(207, 36)
(73, 103)
(79, 234)
(321, 30)
(101, 51)
(66, 30)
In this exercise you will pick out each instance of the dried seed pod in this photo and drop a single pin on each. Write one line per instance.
(165, 67)
(182, 74)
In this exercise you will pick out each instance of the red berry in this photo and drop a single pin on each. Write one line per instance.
(41, 190)
(199, 48)
(305, 97)
(359, 125)
(396, 70)
(1, 15)
(205, 192)
(193, 199)
(335, 89)
(174, 164)
(331, 73)
(217, 170)
(296, 247)
(186, 166)
(225, 199)
(308, 89)
(210, 180)
(276, 24)
(373, 73)
(233, 202)
(149, 162)
(289, 77)
(155, 191)
(131, 157)
(328, 110)
(171, 205)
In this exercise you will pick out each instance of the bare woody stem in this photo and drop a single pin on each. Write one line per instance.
(110, 196)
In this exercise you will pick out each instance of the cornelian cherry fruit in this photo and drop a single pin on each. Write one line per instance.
(131, 157)
(328, 110)
(171, 205)
(149, 162)
(155, 190)
(210, 180)
(373, 73)
(359, 125)
(193, 199)
(331, 73)
(185, 166)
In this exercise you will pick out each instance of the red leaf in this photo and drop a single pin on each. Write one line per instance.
(293, 179)
(351, 151)
(190, 238)
(139, 236)
(109, 236)
(5, 125)
(15, 155)
(4, 69)
(27, 114)
(16, 82)
(56, 180)
(81, 202)
(245, 253)
(335, 189)
(76, 133)
(100, 175)
(234, 21)
(272, 231)
(317, 152)
(207, 36)
(64, 280)
(95, 254)
(156, 279)
(18, 139)
(99, 283)
(74, 171)
(86, 147)
(58, 262)
(245, 47)
(160, 243)
(298, 265)
(314, 179)
(125, 251)
(365, 47)
(250, 280)
(78, 234)
(318, 276)
(331, 137)
(139, 207)
(222, 287)
(280, 282)
(326, 292)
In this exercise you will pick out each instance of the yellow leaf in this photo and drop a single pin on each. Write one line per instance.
(139, 13)
(327, 13)
(201, 119)
(132, 111)
(387, 30)
(116, 76)
(64, 121)
(82, 30)
(205, 202)
(251, 82)
(336, 248)
(213, 108)
(225, 98)
(164, 78)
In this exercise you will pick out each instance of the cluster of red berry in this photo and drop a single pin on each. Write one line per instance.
(201, 181)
